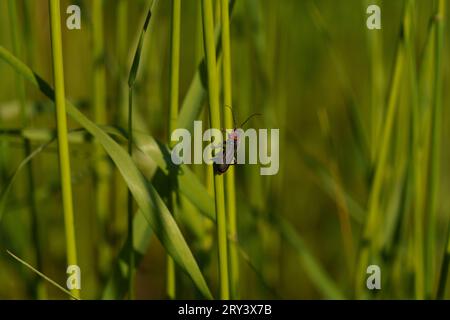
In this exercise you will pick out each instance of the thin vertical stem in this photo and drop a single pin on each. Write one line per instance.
(99, 92)
(122, 28)
(100, 114)
(173, 119)
(131, 264)
(375, 43)
(372, 223)
(419, 262)
(120, 114)
(214, 115)
(102, 168)
(61, 121)
(29, 32)
(436, 143)
(17, 49)
(122, 52)
(41, 292)
(229, 177)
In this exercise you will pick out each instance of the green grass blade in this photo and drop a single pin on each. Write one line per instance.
(370, 240)
(137, 56)
(131, 81)
(43, 276)
(117, 284)
(146, 197)
(149, 154)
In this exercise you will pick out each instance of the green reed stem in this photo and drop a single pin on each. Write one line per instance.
(230, 176)
(419, 260)
(20, 85)
(17, 49)
(61, 121)
(173, 119)
(131, 258)
(377, 84)
(41, 292)
(121, 104)
(99, 92)
(29, 32)
(100, 113)
(122, 57)
(426, 106)
(214, 115)
(436, 142)
(122, 30)
(371, 228)
(102, 168)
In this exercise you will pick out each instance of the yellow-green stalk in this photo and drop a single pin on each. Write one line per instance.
(214, 116)
(417, 176)
(130, 230)
(39, 288)
(122, 59)
(173, 118)
(102, 168)
(17, 49)
(436, 143)
(99, 97)
(204, 171)
(370, 242)
(375, 42)
(122, 28)
(61, 121)
(120, 114)
(229, 177)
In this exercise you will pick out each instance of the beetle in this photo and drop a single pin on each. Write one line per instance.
(228, 155)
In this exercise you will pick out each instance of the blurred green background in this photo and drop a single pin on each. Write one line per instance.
(314, 70)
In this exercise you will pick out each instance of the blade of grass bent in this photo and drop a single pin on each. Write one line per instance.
(43, 275)
(148, 200)
(131, 82)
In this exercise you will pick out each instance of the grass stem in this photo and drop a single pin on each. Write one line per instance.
(419, 261)
(102, 168)
(436, 141)
(370, 243)
(214, 115)
(230, 176)
(173, 119)
(61, 121)
(131, 261)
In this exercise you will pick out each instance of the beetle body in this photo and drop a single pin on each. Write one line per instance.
(227, 156)
(228, 153)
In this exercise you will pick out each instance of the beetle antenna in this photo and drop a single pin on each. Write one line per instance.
(232, 113)
(251, 116)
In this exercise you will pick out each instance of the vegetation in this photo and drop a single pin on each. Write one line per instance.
(86, 176)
